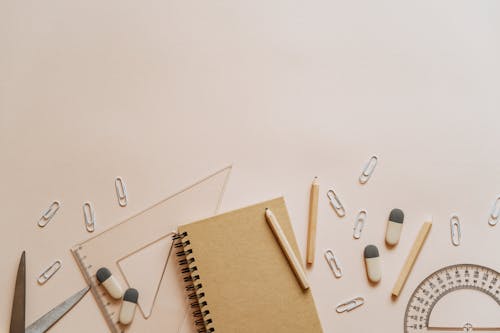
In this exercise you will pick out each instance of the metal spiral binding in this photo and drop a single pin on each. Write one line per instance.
(193, 285)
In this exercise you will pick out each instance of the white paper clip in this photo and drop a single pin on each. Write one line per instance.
(335, 203)
(495, 213)
(333, 263)
(121, 192)
(350, 305)
(368, 170)
(359, 223)
(88, 214)
(49, 214)
(49, 272)
(456, 233)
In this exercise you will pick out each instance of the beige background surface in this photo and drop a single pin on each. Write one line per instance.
(164, 93)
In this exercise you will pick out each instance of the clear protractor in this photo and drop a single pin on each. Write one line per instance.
(457, 298)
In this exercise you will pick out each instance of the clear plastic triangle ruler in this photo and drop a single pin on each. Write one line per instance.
(138, 252)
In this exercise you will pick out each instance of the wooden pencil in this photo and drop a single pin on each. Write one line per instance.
(313, 221)
(287, 249)
(412, 257)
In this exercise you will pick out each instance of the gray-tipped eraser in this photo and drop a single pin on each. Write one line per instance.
(131, 295)
(394, 226)
(109, 283)
(371, 251)
(103, 274)
(129, 305)
(372, 263)
(397, 215)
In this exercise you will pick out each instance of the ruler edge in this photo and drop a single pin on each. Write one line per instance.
(75, 251)
(76, 248)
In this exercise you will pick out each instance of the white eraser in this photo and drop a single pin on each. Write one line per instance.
(129, 305)
(372, 263)
(394, 227)
(109, 283)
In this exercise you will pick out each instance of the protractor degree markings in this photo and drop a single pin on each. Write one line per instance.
(442, 282)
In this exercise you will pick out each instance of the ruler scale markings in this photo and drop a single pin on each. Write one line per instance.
(94, 289)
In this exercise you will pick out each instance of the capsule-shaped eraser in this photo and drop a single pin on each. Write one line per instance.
(394, 226)
(129, 304)
(109, 283)
(372, 263)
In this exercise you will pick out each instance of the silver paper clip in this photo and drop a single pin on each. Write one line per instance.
(335, 203)
(88, 214)
(121, 191)
(350, 305)
(49, 272)
(49, 214)
(333, 263)
(368, 170)
(495, 213)
(456, 233)
(359, 224)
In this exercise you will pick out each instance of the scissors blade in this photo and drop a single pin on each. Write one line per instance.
(50, 318)
(17, 319)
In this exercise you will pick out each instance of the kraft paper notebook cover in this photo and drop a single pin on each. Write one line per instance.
(242, 279)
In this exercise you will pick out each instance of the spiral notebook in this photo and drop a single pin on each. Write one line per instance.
(238, 277)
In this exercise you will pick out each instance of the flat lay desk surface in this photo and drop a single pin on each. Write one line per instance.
(163, 93)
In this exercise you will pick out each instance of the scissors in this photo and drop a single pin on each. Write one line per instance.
(17, 320)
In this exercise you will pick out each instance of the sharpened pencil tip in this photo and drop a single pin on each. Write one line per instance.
(268, 212)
